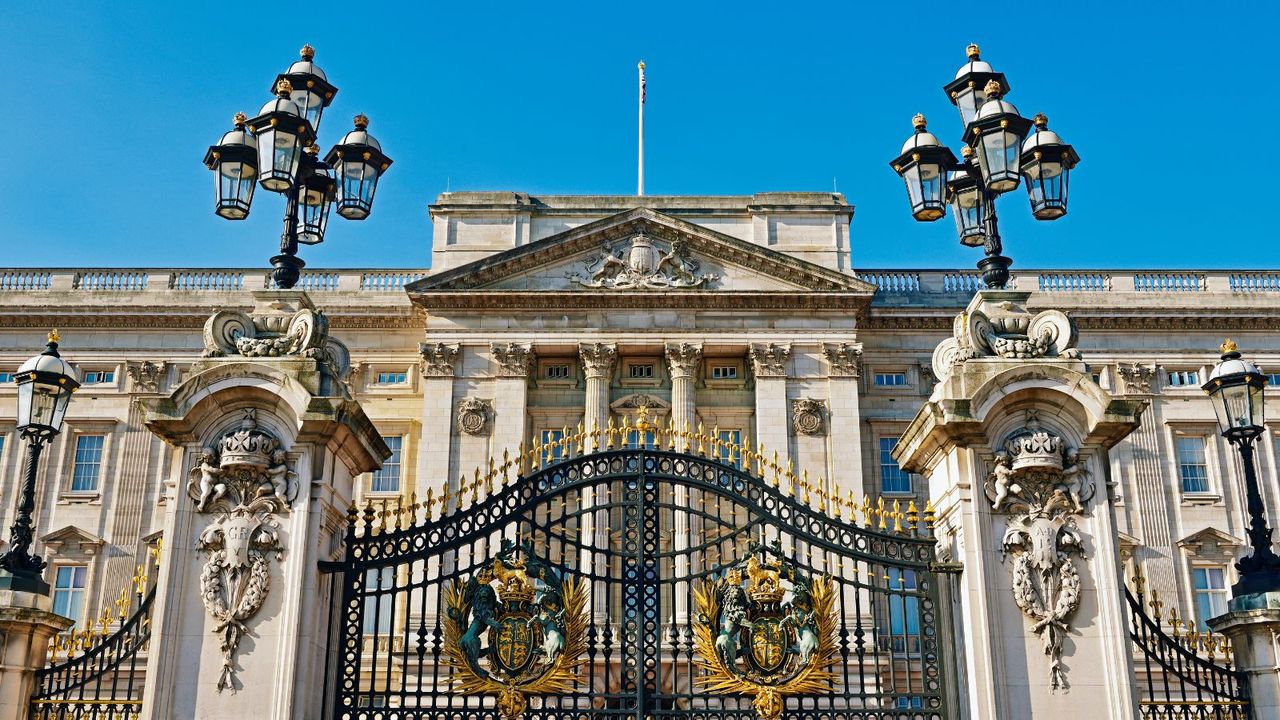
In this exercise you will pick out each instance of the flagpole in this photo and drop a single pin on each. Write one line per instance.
(640, 162)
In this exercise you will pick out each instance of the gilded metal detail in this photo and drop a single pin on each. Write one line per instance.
(515, 628)
(767, 630)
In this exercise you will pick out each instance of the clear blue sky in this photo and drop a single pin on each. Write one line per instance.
(111, 105)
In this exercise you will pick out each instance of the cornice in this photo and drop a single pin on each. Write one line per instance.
(612, 299)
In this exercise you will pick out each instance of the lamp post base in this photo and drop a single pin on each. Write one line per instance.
(995, 271)
(23, 582)
(288, 270)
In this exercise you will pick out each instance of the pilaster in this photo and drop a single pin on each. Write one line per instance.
(683, 361)
(438, 362)
(773, 422)
(844, 370)
(513, 362)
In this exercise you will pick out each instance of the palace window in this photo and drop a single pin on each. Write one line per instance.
(379, 587)
(392, 378)
(68, 591)
(6, 377)
(890, 379)
(388, 478)
(552, 445)
(730, 447)
(88, 463)
(97, 377)
(556, 371)
(1211, 593)
(634, 441)
(640, 371)
(1184, 378)
(904, 612)
(892, 477)
(1192, 468)
(724, 372)
(1273, 379)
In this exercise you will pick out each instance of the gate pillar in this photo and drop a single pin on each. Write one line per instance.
(1252, 624)
(27, 624)
(1014, 442)
(265, 442)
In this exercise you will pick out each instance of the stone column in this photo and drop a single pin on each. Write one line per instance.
(1252, 624)
(844, 369)
(598, 362)
(683, 360)
(1016, 453)
(264, 453)
(511, 392)
(769, 364)
(26, 627)
(438, 361)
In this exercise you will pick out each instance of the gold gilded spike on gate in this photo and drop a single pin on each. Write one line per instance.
(897, 516)
(881, 513)
(930, 516)
(804, 485)
(913, 516)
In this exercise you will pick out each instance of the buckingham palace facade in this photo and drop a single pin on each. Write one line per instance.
(745, 318)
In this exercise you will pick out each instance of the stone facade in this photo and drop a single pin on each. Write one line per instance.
(761, 329)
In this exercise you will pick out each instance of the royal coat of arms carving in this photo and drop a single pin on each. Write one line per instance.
(643, 266)
(767, 630)
(515, 628)
(244, 481)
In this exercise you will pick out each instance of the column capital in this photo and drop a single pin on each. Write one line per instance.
(438, 359)
(514, 359)
(598, 359)
(683, 359)
(843, 359)
(770, 359)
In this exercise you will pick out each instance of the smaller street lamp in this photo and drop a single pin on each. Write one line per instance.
(996, 134)
(309, 87)
(923, 164)
(315, 193)
(282, 134)
(968, 91)
(1046, 165)
(234, 162)
(359, 162)
(1235, 388)
(45, 384)
(970, 203)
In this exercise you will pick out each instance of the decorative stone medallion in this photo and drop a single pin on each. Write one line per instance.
(474, 415)
(808, 415)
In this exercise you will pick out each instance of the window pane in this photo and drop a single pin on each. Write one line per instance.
(892, 478)
(378, 605)
(730, 448)
(1191, 465)
(552, 449)
(88, 463)
(388, 478)
(68, 591)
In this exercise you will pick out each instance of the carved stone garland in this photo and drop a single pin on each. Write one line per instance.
(244, 481)
(1043, 486)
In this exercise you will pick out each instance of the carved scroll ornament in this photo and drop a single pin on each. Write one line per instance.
(244, 481)
(1043, 485)
(1005, 329)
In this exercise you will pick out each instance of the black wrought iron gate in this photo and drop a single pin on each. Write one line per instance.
(637, 582)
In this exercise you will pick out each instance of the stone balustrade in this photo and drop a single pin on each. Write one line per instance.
(107, 280)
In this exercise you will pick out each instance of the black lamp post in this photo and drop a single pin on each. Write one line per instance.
(276, 149)
(1235, 388)
(45, 383)
(998, 155)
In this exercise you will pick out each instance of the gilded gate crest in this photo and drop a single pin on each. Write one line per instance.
(765, 629)
(515, 628)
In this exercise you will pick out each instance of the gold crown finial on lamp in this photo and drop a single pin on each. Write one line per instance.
(284, 87)
(1228, 346)
(1041, 120)
(361, 121)
(993, 89)
(307, 52)
(972, 51)
(55, 336)
(918, 122)
(239, 119)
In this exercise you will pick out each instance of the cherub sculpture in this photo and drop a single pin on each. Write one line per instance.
(209, 483)
(1004, 483)
(277, 478)
(1073, 477)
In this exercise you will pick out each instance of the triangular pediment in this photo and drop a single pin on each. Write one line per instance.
(642, 251)
(72, 540)
(1211, 538)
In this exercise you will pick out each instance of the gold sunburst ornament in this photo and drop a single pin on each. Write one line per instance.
(515, 628)
(765, 629)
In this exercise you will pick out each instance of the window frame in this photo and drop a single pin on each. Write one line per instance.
(399, 465)
(67, 461)
(57, 566)
(540, 377)
(877, 374)
(1223, 594)
(655, 380)
(880, 469)
(1213, 469)
(709, 366)
(1184, 382)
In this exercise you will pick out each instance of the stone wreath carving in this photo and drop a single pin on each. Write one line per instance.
(243, 481)
(809, 416)
(1000, 326)
(642, 266)
(474, 415)
(1043, 485)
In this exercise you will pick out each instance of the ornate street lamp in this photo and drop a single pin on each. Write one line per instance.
(1235, 387)
(45, 383)
(276, 151)
(998, 154)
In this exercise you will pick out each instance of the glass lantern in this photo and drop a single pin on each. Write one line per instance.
(315, 194)
(45, 384)
(968, 91)
(359, 163)
(282, 133)
(922, 165)
(996, 134)
(970, 204)
(1046, 167)
(1235, 389)
(234, 162)
(311, 90)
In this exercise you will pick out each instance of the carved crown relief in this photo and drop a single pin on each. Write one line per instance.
(642, 263)
(1043, 485)
(997, 325)
(244, 481)
(475, 415)
(809, 416)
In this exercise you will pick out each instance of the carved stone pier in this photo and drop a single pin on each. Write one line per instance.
(266, 443)
(1014, 442)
